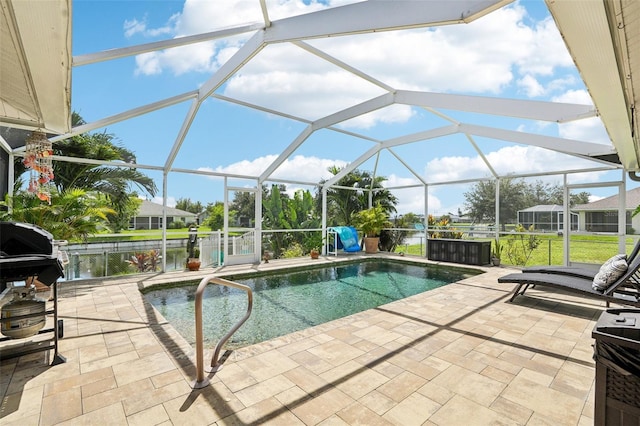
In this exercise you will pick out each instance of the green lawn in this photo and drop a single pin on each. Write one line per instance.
(140, 235)
(584, 249)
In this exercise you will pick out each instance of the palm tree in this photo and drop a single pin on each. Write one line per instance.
(72, 215)
(114, 182)
(343, 204)
(105, 179)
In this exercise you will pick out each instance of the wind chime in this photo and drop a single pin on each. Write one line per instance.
(38, 159)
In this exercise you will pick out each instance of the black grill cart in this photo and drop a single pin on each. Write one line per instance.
(27, 253)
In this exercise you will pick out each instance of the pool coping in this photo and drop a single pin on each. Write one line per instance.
(316, 264)
(237, 276)
(149, 279)
(275, 266)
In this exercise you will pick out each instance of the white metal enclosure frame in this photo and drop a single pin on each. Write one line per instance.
(350, 19)
(371, 17)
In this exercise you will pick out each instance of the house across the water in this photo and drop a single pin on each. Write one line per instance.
(150, 216)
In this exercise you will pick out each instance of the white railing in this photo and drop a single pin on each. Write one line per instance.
(211, 252)
(243, 244)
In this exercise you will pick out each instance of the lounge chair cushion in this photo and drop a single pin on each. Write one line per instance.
(610, 271)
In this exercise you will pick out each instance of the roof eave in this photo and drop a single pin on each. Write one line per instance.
(36, 67)
(604, 57)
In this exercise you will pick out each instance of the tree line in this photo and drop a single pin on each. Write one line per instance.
(515, 195)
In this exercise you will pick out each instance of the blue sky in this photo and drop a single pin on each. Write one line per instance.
(515, 52)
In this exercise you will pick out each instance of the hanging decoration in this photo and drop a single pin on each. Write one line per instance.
(38, 159)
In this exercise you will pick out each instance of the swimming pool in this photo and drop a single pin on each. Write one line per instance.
(288, 302)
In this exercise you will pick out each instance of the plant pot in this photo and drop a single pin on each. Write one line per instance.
(371, 244)
(495, 261)
(193, 264)
(314, 254)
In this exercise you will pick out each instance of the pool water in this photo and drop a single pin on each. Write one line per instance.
(293, 301)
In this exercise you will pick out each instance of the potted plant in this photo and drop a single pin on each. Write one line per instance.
(193, 261)
(313, 243)
(371, 222)
(193, 258)
(496, 252)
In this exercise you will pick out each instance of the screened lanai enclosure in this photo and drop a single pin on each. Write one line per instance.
(547, 218)
(230, 97)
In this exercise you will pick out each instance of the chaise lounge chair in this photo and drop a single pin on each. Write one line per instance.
(625, 290)
(585, 271)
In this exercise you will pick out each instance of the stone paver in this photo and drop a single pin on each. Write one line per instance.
(460, 354)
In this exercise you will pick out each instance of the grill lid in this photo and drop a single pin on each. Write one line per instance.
(26, 250)
(24, 238)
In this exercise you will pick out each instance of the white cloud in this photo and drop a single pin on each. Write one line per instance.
(478, 57)
(200, 16)
(196, 57)
(531, 159)
(531, 86)
(507, 160)
(590, 129)
(447, 169)
(561, 83)
(296, 168)
(133, 27)
(411, 200)
(390, 114)
(197, 17)
(544, 49)
(244, 167)
(171, 201)
(484, 56)
(309, 169)
(574, 97)
(302, 85)
(148, 64)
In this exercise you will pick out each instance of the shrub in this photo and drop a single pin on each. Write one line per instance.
(442, 228)
(520, 245)
(294, 250)
(145, 261)
(176, 224)
(312, 241)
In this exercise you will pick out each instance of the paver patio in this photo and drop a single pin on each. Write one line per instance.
(458, 355)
